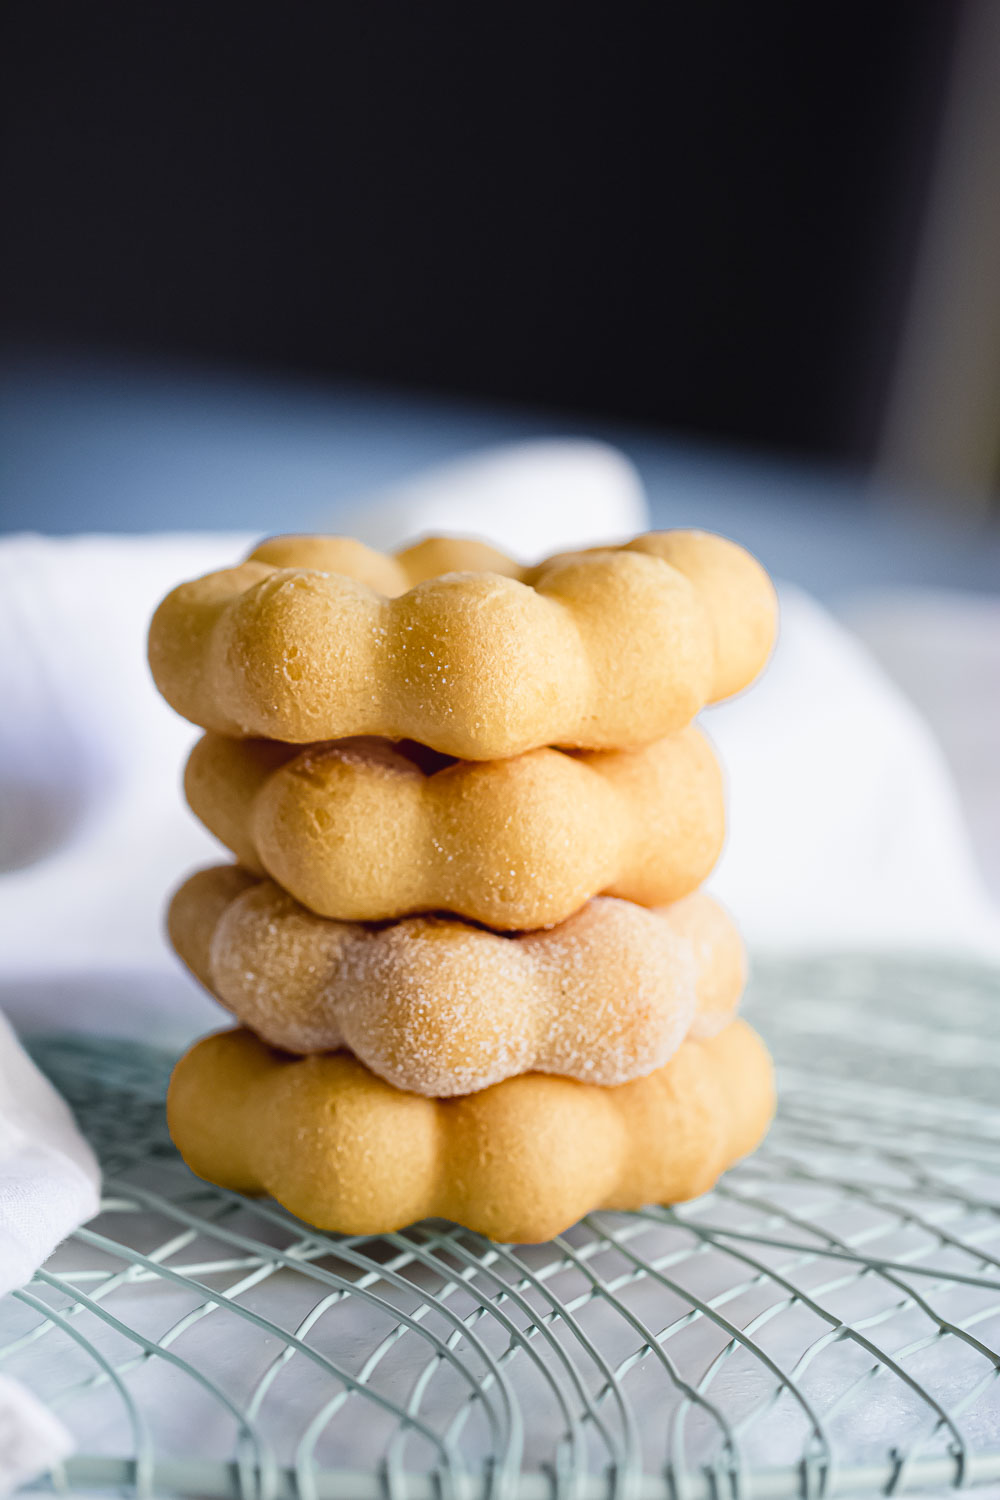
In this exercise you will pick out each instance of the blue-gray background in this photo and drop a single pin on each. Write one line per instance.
(119, 447)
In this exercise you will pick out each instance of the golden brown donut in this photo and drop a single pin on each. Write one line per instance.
(440, 1007)
(600, 650)
(364, 830)
(520, 1161)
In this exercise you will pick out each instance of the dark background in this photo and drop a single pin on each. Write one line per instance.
(701, 215)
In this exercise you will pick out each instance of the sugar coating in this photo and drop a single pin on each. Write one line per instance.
(362, 830)
(318, 638)
(440, 1007)
(520, 1161)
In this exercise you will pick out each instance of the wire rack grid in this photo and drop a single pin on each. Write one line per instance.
(826, 1322)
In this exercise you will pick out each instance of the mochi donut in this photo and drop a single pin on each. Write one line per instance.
(520, 1161)
(440, 1007)
(364, 830)
(455, 646)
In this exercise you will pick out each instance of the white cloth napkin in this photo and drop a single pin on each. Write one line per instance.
(844, 827)
(49, 1182)
(530, 499)
(49, 1178)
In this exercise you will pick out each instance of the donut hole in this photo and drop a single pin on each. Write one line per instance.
(424, 758)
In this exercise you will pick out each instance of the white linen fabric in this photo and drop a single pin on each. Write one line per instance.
(49, 1183)
(48, 1175)
(530, 499)
(845, 829)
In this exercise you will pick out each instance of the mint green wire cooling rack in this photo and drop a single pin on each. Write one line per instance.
(826, 1322)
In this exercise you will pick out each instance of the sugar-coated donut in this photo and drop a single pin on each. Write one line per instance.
(364, 830)
(440, 1007)
(599, 650)
(520, 1161)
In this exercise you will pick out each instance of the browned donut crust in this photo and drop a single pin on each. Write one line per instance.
(364, 830)
(520, 1161)
(440, 1007)
(597, 650)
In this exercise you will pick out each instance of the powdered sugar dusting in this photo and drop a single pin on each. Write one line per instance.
(437, 1006)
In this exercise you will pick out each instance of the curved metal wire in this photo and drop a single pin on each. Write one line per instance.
(826, 1322)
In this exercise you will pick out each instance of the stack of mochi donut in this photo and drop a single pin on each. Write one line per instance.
(463, 939)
